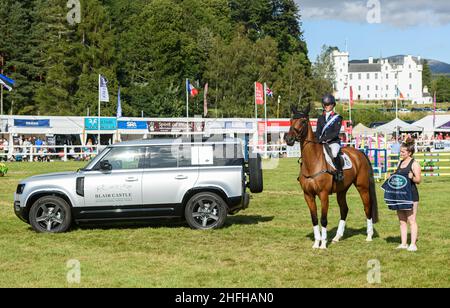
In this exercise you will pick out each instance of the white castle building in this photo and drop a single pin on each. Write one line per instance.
(379, 79)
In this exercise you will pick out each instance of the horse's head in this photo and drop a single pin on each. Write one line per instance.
(299, 126)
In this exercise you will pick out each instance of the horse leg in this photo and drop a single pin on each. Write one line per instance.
(311, 201)
(324, 200)
(342, 201)
(365, 196)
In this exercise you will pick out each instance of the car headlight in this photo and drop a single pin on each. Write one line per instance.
(20, 189)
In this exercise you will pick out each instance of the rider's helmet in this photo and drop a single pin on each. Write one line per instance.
(328, 100)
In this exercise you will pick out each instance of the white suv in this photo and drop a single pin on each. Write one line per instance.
(202, 182)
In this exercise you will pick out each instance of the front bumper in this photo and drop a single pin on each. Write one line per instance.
(20, 212)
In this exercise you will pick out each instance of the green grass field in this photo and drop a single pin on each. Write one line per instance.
(268, 245)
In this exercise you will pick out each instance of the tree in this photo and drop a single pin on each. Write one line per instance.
(323, 72)
(293, 84)
(426, 74)
(15, 59)
(441, 86)
(53, 55)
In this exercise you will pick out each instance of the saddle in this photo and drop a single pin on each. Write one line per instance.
(345, 160)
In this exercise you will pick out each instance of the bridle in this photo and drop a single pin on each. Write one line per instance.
(300, 134)
(301, 138)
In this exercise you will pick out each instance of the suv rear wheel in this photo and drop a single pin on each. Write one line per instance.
(50, 214)
(206, 211)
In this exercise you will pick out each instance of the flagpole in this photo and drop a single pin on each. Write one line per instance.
(278, 107)
(187, 99)
(256, 106)
(98, 122)
(434, 111)
(1, 99)
(265, 117)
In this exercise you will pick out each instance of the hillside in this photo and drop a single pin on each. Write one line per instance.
(437, 67)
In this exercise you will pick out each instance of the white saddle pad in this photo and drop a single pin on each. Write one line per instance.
(347, 162)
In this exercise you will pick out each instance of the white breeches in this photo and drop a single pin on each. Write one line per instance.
(335, 148)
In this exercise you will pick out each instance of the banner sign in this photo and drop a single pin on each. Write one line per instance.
(105, 123)
(259, 94)
(31, 123)
(132, 125)
(238, 125)
(175, 127)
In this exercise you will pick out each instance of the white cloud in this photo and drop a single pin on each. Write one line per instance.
(399, 13)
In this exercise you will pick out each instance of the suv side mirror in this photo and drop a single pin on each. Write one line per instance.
(105, 166)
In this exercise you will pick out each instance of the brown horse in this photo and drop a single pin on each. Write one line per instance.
(316, 179)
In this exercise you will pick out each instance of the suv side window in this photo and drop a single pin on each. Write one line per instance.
(228, 155)
(185, 155)
(125, 158)
(163, 156)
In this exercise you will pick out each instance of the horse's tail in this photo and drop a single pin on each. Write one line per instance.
(372, 193)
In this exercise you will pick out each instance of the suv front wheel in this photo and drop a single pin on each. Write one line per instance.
(206, 211)
(50, 214)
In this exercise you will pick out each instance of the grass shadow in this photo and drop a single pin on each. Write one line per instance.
(168, 223)
(246, 220)
(349, 233)
(393, 239)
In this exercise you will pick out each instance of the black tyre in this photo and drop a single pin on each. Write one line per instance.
(50, 214)
(255, 174)
(205, 211)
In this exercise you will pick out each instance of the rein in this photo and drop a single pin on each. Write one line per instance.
(305, 142)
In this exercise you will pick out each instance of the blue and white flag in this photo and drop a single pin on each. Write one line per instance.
(6, 82)
(119, 106)
(103, 89)
(3, 84)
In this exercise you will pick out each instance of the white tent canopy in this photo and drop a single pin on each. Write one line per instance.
(361, 129)
(400, 125)
(427, 122)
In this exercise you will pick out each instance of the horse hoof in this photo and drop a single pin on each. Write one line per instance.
(316, 245)
(336, 239)
(369, 239)
(324, 245)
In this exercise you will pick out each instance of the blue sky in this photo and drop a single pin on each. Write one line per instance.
(416, 27)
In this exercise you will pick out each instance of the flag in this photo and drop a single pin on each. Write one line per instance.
(2, 83)
(7, 82)
(193, 92)
(399, 94)
(351, 97)
(269, 92)
(119, 105)
(205, 101)
(103, 89)
(259, 94)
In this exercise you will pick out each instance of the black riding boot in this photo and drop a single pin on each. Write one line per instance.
(339, 175)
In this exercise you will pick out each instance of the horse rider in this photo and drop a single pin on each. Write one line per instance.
(328, 129)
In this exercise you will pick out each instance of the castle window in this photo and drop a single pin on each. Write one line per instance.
(376, 75)
(368, 76)
(359, 76)
(410, 75)
(387, 76)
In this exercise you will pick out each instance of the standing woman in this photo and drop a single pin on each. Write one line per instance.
(411, 169)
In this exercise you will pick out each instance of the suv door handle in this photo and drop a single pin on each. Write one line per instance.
(181, 177)
(132, 179)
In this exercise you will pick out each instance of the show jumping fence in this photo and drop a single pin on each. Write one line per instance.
(428, 161)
